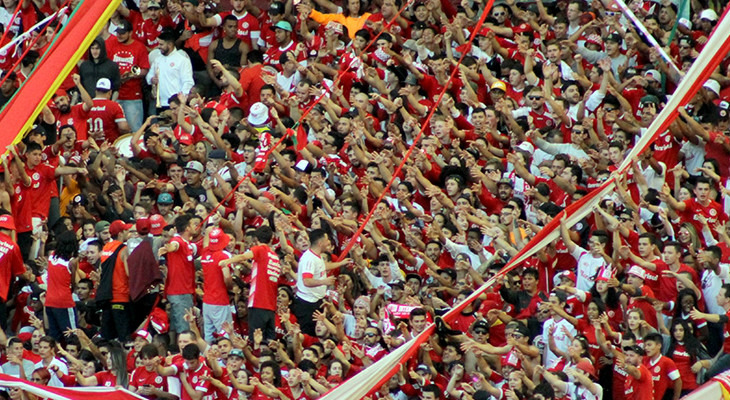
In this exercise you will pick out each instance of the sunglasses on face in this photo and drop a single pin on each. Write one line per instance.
(480, 332)
(534, 97)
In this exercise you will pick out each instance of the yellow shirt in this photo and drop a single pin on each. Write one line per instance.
(353, 24)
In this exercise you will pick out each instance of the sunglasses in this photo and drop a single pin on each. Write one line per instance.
(480, 332)
(499, 14)
(534, 97)
(370, 334)
(608, 109)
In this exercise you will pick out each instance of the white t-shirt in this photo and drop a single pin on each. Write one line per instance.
(711, 284)
(54, 381)
(588, 267)
(579, 392)
(313, 265)
(561, 339)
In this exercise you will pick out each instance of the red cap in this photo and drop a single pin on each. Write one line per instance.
(143, 334)
(60, 93)
(219, 107)
(568, 274)
(185, 139)
(7, 222)
(118, 226)
(604, 274)
(157, 223)
(587, 367)
(523, 27)
(143, 226)
(218, 240)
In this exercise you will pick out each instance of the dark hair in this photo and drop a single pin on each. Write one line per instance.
(66, 245)
(181, 222)
(654, 337)
(191, 352)
(316, 235)
(149, 351)
(255, 56)
(274, 368)
(691, 344)
(264, 234)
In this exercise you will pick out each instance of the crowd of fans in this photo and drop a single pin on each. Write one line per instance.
(133, 253)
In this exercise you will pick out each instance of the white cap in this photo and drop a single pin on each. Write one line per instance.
(637, 271)
(713, 86)
(104, 84)
(685, 23)
(526, 146)
(709, 15)
(258, 114)
(656, 75)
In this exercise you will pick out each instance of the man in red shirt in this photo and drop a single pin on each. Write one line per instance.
(145, 380)
(42, 177)
(180, 282)
(638, 384)
(248, 25)
(265, 273)
(133, 61)
(216, 279)
(701, 205)
(11, 261)
(106, 118)
(77, 115)
(663, 370)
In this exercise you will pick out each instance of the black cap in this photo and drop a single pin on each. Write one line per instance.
(217, 154)
(481, 324)
(636, 349)
(80, 200)
(39, 129)
(124, 27)
(614, 37)
(399, 283)
(276, 8)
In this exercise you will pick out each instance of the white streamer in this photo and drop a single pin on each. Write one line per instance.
(27, 33)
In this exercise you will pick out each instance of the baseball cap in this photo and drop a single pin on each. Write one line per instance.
(118, 226)
(60, 93)
(410, 44)
(7, 222)
(217, 154)
(104, 84)
(218, 240)
(185, 139)
(480, 324)
(164, 198)
(505, 181)
(195, 166)
(276, 8)
(157, 223)
(154, 4)
(236, 353)
(124, 27)
(423, 367)
(411, 80)
(650, 98)
(709, 15)
(284, 25)
(258, 114)
(143, 334)
(101, 226)
(586, 366)
(637, 271)
(399, 283)
(713, 86)
(499, 85)
(654, 74)
(614, 37)
(635, 348)
(80, 200)
(143, 226)
(567, 274)
(159, 320)
(595, 39)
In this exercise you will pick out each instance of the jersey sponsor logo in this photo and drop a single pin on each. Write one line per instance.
(657, 370)
(158, 379)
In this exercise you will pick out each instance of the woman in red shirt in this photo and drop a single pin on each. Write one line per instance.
(63, 274)
(688, 354)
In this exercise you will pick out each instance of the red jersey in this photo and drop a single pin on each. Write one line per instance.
(646, 307)
(663, 373)
(41, 179)
(666, 149)
(106, 379)
(195, 380)
(274, 53)
(141, 377)
(265, 273)
(713, 212)
(180, 268)
(103, 120)
(215, 290)
(683, 361)
(11, 264)
(248, 25)
(126, 56)
(151, 30)
(639, 389)
(653, 277)
(58, 294)
(726, 335)
(76, 117)
(120, 279)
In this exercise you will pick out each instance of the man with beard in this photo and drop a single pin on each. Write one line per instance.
(76, 115)
(171, 72)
